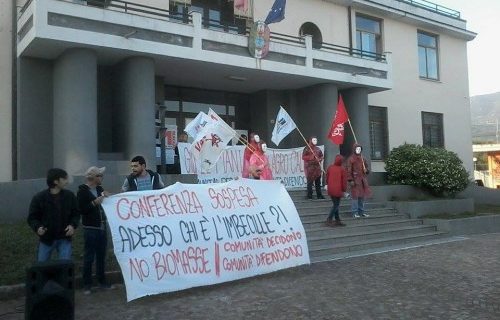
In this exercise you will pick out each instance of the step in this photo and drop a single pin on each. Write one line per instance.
(351, 222)
(345, 205)
(323, 230)
(342, 210)
(388, 248)
(320, 216)
(352, 235)
(326, 250)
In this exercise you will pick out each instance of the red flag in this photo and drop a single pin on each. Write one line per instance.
(336, 134)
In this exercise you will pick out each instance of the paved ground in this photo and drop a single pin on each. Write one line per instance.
(456, 280)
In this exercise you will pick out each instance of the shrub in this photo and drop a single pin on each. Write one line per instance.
(435, 170)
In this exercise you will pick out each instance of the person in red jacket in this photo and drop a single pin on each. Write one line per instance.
(251, 147)
(313, 156)
(336, 179)
(357, 171)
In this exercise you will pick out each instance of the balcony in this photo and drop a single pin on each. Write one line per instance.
(191, 52)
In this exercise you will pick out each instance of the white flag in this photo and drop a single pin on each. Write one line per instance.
(209, 144)
(197, 124)
(214, 116)
(283, 126)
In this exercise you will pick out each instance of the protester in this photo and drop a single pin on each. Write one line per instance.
(336, 179)
(141, 178)
(357, 171)
(252, 146)
(254, 173)
(312, 167)
(53, 215)
(90, 196)
(259, 159)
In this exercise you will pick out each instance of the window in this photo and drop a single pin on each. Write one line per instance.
(432, 129)
(378, 132)
(216, 15)
(368, 36)
(427, 56)
(311, 29)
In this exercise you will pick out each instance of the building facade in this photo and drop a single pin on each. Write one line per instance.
(88, 78)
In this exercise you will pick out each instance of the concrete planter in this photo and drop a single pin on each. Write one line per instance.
(464, 226)
(416, 209)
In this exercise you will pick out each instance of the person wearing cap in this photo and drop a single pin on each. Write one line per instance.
(90, 196)
(53, 216)
(141, 178)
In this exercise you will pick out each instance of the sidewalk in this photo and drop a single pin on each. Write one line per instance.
(456, 280)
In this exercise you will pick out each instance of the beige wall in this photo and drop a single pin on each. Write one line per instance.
(6, 90)
(331, 19)
(412, 95)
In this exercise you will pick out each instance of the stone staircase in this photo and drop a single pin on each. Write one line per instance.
(384, 230)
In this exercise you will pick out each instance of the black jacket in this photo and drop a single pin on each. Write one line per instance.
(155, 181)
(44, 212)
(92, 216)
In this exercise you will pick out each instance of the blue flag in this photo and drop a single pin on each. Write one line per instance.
(277, 12)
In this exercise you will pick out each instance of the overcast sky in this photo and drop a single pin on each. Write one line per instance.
(483, 18)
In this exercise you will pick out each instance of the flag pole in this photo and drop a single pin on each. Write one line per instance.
(356, 141)
(307, 143)
(352, 130)
(248, 145)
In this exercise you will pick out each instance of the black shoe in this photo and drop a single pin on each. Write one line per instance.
(320, 197)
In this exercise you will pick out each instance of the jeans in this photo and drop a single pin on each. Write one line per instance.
(317, 184)
(96, 241)
(358, 206)
(63, 247)
(335, 209)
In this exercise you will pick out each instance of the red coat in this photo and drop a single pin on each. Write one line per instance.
(357, 171)
(252, 146)
(336, 178)
(312, 168)
(259, 160)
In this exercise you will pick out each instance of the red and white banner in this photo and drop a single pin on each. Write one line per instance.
(189, 235)
(286, 165)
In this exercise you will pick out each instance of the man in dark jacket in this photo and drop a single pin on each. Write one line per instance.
(53, 216)
(90, 196)
(141, 178)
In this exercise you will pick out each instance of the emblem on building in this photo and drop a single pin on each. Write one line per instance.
(258, 41)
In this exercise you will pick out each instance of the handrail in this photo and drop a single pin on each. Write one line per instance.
(430, 6)
(130, 7)
(351, 51)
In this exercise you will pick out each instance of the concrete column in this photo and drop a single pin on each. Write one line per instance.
(137, 125)
(356, 102)
(6, 66)
(317, 106)
(75, 110)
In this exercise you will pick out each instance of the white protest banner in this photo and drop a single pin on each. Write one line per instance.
(287, 165)
(189, 235)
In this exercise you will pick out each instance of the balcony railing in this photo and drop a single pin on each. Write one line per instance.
(221, 26)
(427, 5)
